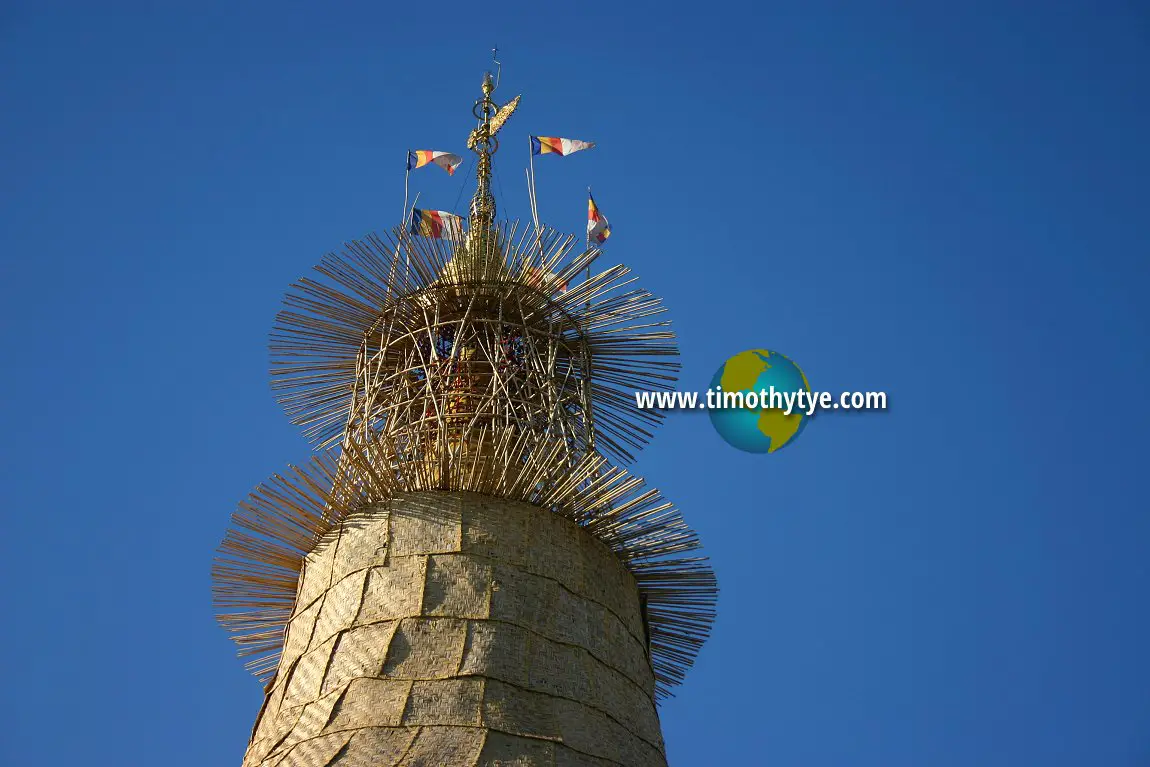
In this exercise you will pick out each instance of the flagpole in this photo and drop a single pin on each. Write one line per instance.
(407, 251)
(588, 277)
(403, 218)
(531, 183)
(406, 177)
(533, 198)
(587, 307)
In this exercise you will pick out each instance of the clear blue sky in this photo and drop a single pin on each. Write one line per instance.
(945, 201)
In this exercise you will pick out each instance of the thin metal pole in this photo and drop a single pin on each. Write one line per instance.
(406, 177)
(534, 199)
(403, 218)
(531, 184)
(587, 308)
(588, 276)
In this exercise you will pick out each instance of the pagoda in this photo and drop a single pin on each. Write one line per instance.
(465, 574)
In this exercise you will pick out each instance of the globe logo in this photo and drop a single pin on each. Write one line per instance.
(759, 429)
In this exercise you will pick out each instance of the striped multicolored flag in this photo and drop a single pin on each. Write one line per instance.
(559, 146)
(598, 230)
(446, 160)
(435, 223)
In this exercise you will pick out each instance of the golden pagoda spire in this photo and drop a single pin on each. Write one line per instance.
(482, 141)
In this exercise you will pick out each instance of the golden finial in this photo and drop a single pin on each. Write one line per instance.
(483, 142)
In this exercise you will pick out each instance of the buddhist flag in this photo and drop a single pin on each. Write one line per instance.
(559, 146)
(598, 230)
(435, 223)
(446, 160)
